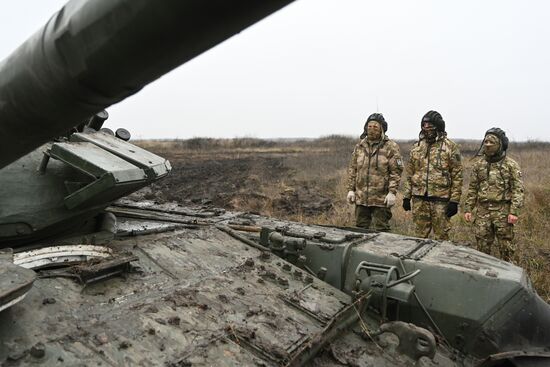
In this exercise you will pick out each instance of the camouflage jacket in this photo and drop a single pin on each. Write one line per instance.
(374, 170)
(495, 183)
(434, 170)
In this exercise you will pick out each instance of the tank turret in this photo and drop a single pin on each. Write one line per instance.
(88, 56)
(59, 168)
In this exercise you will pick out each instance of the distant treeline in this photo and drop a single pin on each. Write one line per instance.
(338, 142)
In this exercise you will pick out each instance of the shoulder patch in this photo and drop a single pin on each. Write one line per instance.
(399, 162)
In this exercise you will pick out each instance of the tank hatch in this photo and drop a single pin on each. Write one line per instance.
(117, 166)
(153, 165)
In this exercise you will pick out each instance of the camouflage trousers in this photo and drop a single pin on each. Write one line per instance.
(492, 222)
(373, 217)
(428, 216)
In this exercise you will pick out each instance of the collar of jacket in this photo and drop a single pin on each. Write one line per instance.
(441, 136)
(440, 140)
(365, 141)
(496, 158)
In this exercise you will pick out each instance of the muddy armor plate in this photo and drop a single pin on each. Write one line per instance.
(194, 296)
(211, 287)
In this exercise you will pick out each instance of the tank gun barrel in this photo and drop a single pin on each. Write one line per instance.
(92, 54)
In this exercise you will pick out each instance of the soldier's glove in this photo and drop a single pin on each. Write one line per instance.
(351, 197)
(452, 209)
(389, 200)
(406, 204)
(512, 219)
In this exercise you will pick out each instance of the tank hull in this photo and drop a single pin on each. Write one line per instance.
(203, 288)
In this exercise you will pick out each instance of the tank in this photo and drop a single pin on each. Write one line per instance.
(90, 278)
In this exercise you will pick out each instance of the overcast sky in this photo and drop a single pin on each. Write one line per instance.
(320, 67)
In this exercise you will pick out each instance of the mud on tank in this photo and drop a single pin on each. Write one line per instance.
(203, 286)
(149, 284)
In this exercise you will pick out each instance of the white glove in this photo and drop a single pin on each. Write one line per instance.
(389, 200)
(351, 197)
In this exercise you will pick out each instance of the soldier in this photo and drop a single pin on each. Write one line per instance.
(496, 192)
(373, 175)
(433, 179)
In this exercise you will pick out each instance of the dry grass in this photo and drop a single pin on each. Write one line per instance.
(322, 163)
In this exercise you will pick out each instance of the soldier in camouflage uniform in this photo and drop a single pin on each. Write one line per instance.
(373, 175)
(496, 193)
(433, 179)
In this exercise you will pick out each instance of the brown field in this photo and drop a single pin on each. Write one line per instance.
(305, 180)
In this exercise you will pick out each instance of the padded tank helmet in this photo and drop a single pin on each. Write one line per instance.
(434, 118)
(500, 134)
(378, 117)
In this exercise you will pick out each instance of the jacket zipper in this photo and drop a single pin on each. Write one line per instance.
(428, 169)
(368, 175)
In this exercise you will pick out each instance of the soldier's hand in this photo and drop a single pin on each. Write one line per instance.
(452, 209)
(406, 204)
(512, 219)
(468, 217)
(351, 197)
(389, 201)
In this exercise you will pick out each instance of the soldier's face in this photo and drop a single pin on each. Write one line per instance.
(374, 130)
(429, 130)
(491, 145)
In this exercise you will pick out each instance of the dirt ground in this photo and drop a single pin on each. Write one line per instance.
(261, 182)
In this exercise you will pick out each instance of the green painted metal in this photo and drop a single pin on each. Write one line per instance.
(234, 300)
